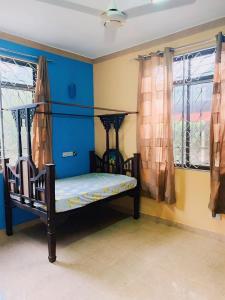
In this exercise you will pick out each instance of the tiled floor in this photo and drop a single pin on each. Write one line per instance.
(112, 257)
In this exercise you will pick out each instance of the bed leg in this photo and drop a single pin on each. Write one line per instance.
(51, 215)
(51, 242)
(136, 214)
(8, 219)
(8, 207)
(136, 174)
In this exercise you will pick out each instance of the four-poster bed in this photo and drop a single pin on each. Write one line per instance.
(39, 192)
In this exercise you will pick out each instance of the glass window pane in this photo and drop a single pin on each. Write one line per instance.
(179, 138)
(10, 98)
(202, 65)
(200, 111)
(15, 97)
(16, 74)
(17, 83)
(177, 70)
(180, 69)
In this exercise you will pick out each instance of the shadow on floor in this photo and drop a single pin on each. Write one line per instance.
(78, 226)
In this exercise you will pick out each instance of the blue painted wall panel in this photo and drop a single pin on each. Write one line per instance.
(69, 134)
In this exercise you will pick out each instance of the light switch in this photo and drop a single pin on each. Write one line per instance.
(218, 217)
(69, 154)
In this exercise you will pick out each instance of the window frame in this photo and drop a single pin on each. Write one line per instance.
(188, 82)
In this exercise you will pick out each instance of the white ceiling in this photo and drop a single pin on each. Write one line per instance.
(84, 34)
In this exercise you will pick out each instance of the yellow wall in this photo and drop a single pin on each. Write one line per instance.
(115, 85)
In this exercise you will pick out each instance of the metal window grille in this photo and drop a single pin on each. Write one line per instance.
(17, 86)
(192, 96)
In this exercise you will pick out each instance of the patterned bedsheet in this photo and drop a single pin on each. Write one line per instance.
(78, 191)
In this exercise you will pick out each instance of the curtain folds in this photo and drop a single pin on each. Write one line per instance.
(217, 132)
(42, 129)
(154, 132)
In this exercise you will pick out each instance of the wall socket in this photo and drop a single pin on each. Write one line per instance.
(69, 154)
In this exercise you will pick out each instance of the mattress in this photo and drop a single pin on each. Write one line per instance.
(78, 191)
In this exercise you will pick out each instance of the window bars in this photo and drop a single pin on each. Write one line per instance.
(17, 86)
(192, 93)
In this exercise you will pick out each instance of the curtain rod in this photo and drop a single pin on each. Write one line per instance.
(20, 53)
(143, 57)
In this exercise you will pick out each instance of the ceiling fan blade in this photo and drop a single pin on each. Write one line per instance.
(74, 6)
(156, 7)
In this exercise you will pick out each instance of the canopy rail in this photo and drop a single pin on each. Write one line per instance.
(62, 114)
(89, 106)
(26, 113)
(73, 115)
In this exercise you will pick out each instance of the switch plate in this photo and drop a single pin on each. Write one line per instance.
(69, 154)
(218, 217)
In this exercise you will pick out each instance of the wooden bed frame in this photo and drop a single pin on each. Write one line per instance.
(30, 189)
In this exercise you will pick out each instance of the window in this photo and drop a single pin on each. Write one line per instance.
(17, 84)
(192, 94)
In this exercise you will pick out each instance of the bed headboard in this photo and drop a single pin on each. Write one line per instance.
(128, 167)
(112, 160)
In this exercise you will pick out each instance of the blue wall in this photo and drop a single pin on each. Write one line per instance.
(69, 134)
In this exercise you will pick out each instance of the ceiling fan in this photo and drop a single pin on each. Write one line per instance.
(113, 17)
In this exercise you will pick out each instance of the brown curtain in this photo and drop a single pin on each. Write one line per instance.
(42, 133)
(154, 132)
(217, 132)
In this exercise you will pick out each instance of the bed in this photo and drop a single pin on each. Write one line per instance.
(51, 199)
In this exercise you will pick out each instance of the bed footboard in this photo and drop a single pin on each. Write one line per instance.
(32, 191)
(25, 185)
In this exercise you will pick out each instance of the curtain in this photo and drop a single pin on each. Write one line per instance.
(217, 132)
(42, 133)
(154, 132)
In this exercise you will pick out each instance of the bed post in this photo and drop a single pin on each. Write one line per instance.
(8, 207)
(50, 199)
(136, 171)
